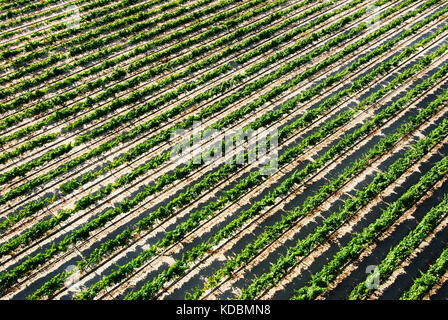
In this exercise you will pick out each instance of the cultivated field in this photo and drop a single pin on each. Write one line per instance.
(224, 149)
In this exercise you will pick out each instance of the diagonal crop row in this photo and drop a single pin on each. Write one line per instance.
(29, 83)
(25, 18)
(134, 113)
(333, 222)
(151, 164)
(89, 13)
(176, 234)
(155, 121)
(402, 250)
(59, 115)
(162, 117)
(106, 18)
(155, 161)
(423, 284)
(149, 289)
(82, 41)
(74, 184)
(321, 280)
(289, 220)
(120, 209)
(99, 43)
(309, 116)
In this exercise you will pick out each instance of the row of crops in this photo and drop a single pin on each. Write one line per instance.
(224, 149)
